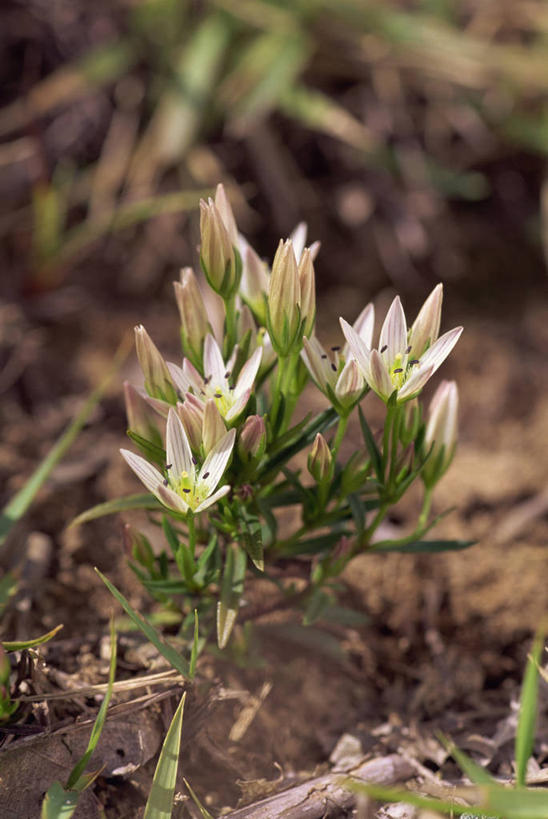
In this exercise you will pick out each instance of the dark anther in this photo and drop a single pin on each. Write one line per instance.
(168, 466)
(383, 349)
(414, 361)
(334, 368)
(408, 350)
(335, 349)
(324, 355)
(194, 461)
(166, 482)
(228, 374)
(398, 370)
(202, 392)
(205, 475)
(180, 395)
(232, 387)
(186, 491)
(207, 379)
(218, 395)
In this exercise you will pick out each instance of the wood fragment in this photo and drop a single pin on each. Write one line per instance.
(326, 795)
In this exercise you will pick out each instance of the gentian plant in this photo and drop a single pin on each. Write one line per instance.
(224, 446)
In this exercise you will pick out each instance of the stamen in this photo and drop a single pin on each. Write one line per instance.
(218, 395)
(384, 349)
(166, 482)
(207, 379)
(324, 355)
(228, 374)
(398, 370)
(408, 350)
(335, 349)
(205, 475)
(194, 461)
(334, 368)
(168, 466)
(186, 491)
(232, 387)
(414, 361)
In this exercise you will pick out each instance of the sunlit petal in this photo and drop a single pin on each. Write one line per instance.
(178, 451)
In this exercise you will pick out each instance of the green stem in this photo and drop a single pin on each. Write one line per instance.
(191, 523)
(278, 389)
(339, 435)
(396, 426)
(426, 504)
(386, 436)
(230, 323)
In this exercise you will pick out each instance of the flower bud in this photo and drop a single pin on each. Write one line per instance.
(158, 381)
(440, 438)
(213, 427)
(320, 460)
(220, 260)
(284, 301)
(191, 413)
(137, 546)
(226, 213)
(140, 416)
(350, 384)
(194, 321)
(308, 292)
(426, 327)
(252, 442)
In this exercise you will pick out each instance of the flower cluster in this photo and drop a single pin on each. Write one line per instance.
(216, 430)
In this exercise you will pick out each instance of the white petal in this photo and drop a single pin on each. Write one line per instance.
(298, 237)
(214, 366)
(147, 473)
(220, 493)
(426, 327)
(317, 362)
(215, 463)
(439, 351)
(415, 383)
(393, 333)
(378, 377)
(172, 499)
(180, 378)
(177, 446)
(358, 347)
(238, 406)
(365, 324)
(192, 376)
(249, 372)
(232, 360)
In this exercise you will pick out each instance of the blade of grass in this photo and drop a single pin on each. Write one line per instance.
(144, 501)
(203, 812)
(19, 504)
(171, 655)
(525, 733)
(38, 641)
(160, 801)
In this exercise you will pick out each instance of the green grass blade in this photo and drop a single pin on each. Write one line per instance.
(525, 734)
(195, 646)
(59, 803)
(38, 641)
(171, 655)
(19, 504)
(204, 813)
(75, 779)
(141, 501)
(160, 801)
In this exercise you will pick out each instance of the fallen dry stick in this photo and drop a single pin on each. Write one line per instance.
(323, 795)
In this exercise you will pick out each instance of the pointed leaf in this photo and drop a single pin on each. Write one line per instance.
(160, 801)
(142, 501)
(38, 641)
(205, 814)
(168, 652)
(231, 591)
(421, 546)
(150, 450)
(59, 803)
(525, 734)
(372, 448)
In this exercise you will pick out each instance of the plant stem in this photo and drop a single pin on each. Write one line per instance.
(230, 322)
(339, 435)
(191, 534)
(426, 504)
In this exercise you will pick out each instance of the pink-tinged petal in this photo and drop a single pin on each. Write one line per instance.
(205, 504)
(378, 377)
(180, 378)
(350, 383)
(426, 327)
(415, 383)
(317, 362)
(314, 250)
(439, 351)
(232, 360)
(238, 406)
(393, 333)
(298, 238)
(214, 366)
(192, 376)
(177, 446)
(146, 473)
(249, 372)
(365, 324)
(358, 347)
(161, 407)
(171, 499)
(215, 463)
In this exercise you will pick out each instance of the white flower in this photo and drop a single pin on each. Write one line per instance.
(440, 438)
(404, 361)
(344, 383)
(186, 489)
(230, 398)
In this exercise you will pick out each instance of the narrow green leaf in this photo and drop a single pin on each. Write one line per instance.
(150, 450)
(314, 545)
(38, 641)
(194, 652)
(358, 512)
(19, 504)
(160, 801)
(252, 538)
(421, 546)
(59, 803)
(525, 733)
(474, 772)
(76, 780)
(168, 652)
(144, 501)
(320, 423)
(429, 803)
(205, 814)
(231, 591)
(8, 586)
(318, 604)
(372, 448)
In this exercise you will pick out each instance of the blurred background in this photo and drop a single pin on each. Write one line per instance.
(410, 136)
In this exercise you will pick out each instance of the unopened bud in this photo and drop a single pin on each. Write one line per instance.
(194, 321)
(213, 427)
(252, 441)
(426, 327)
(137, 546)
(350, 384)
(254, 283)
(158, 381)
(191, 413)
(320, 460)
(440, 438)
(308, 292)
(284, 301)
(227, 215)
(140, 416)
(220, 259)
